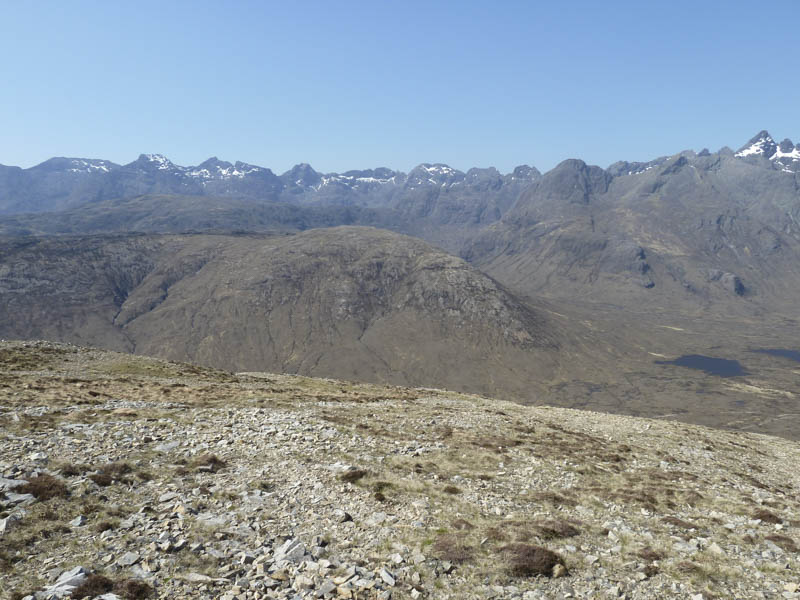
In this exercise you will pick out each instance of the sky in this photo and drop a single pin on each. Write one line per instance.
(353, 85)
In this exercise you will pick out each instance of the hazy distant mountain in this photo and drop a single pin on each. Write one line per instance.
(66, 182)
(692, 228)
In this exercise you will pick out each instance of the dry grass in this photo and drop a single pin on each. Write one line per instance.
(353, 475)
(208, 462)
(133, 589)
(553, 499)
(462, 525)
(453, 548)
(680, 523)
(555, 529)
(650, 555)
(44, 487)
(785, 542)
(111, 473)
(94, 585)
(71, 469)
(525, 560)
(767, 516)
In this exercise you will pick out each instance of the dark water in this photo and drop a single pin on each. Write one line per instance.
(713, 366)
(790, 354)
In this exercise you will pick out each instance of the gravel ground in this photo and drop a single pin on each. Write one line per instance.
(128, 477)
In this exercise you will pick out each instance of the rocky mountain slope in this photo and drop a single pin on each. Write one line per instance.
(613, 273)
(355, 303)
(683, 232)
(65, 182)
(139, 478)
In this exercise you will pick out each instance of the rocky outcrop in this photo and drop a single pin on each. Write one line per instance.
(354, 303)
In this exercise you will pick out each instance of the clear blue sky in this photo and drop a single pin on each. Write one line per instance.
(346, 85)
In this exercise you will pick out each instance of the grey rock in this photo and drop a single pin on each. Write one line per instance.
(342, 516)
(291, 550)
(8, 524)
(386, 576)
(166, 446)
(68, 581)
(128, 559)
(78, 521)
(10, 484)
(13, 499)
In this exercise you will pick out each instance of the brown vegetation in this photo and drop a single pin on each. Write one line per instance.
(353, 475)
(453, 548)
(767, 516)
(555, 529)
(44, 487)
(525, 560)
(94, 585)
(208, 462)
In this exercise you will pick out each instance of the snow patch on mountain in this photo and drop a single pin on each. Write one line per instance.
(762, 146)
(160, 160)
(80, 165)
(240, 170)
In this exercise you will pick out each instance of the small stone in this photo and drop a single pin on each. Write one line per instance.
(68, 581)
(376, 519)
(197, 578)
(167, 446)
(345, 577)
(715, 548)
(559, 571)
(128, 559)
(292, 550)
(327, 587)
(8, 524)
(302, 582)
(13, 499)
(78, 521)
(167, 497)
(387, 577)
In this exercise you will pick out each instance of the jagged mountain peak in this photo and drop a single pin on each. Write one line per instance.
(437, 174)
(784, 156)
(157, 161)
(302, 175)
(760, 144)
(526, 172)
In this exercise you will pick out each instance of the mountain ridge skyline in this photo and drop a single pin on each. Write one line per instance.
(186, 165)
